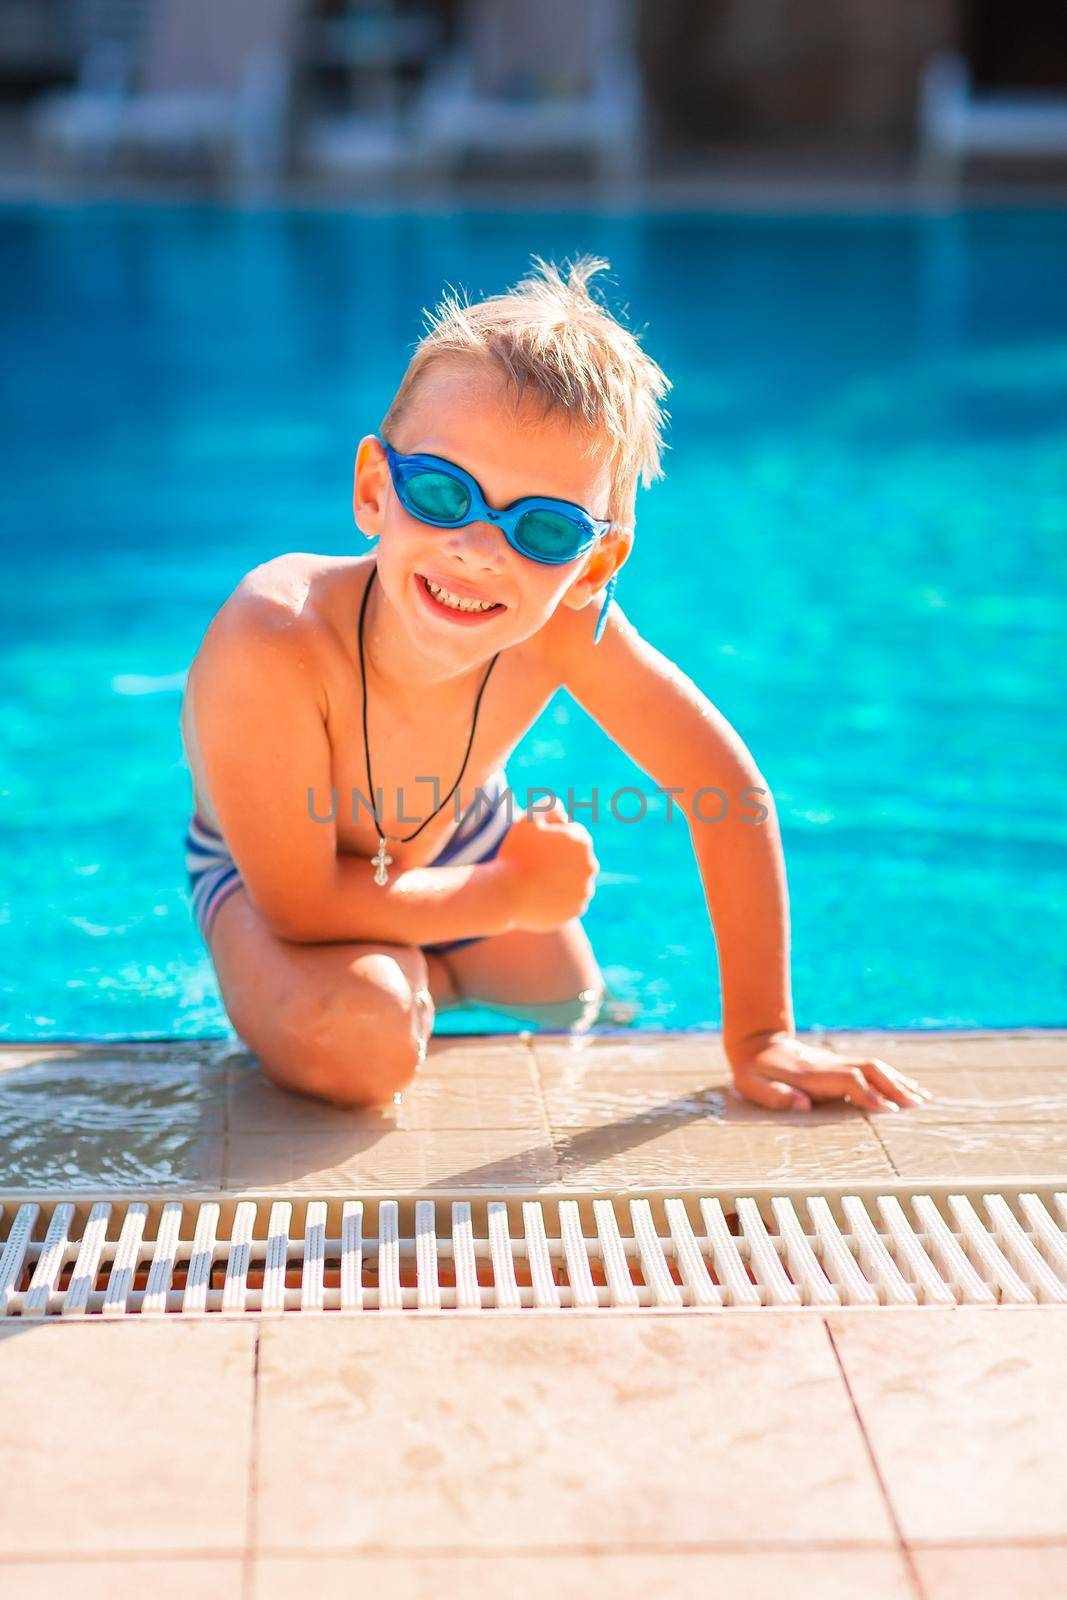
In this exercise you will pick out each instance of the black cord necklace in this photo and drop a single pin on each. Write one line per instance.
(382, 859)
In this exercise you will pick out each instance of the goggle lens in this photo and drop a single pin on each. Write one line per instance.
(549, 534)
(437, 495)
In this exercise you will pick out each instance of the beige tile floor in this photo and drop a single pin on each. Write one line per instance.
(893, 1454)
(546, 1112)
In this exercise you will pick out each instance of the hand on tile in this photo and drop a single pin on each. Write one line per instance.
(788, 1074)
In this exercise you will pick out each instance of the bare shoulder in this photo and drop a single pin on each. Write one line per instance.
(270, 644)
(263, 665)
(285, 607)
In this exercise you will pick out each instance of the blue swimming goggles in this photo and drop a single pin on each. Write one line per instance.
(437, 491)
(551, 531)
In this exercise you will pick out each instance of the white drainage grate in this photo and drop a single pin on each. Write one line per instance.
(717, 1252)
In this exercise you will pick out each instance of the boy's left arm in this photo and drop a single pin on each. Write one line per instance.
(671, 730)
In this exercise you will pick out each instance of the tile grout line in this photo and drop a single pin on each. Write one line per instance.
(883, 1146)
(562, 1552)
(248, 1563)
(551, 1131)
(536, 1064)
(122, 1555)
(883, 1487)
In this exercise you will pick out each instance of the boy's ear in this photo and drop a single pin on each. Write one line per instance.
(369, 486)
(609, 555)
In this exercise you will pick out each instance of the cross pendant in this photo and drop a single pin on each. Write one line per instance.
(381, 860)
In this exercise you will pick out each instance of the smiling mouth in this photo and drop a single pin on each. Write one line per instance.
(447, 601)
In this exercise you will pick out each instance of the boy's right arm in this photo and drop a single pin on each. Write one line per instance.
(259, 712)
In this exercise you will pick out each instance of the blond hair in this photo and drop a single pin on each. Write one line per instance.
(551, 336)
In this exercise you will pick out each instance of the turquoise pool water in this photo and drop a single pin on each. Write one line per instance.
(860, 552)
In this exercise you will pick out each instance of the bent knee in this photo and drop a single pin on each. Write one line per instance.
(358, 1043)
(353, 1062)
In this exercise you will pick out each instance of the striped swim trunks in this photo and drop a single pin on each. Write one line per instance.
(213, 874)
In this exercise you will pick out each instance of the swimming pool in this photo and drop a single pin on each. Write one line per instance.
(860, 553)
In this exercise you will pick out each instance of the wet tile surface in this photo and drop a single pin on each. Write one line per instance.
(966, 1095)
(974, 1150)
(130, 1438)
(510, 1054)
(462, 1093)
(640, 1154)
(347, 1160)
(468, 1433)
(89, 1118)
(678, 1575)
(474, 1115)
(958, 1407)
(581, 1097)
(520, 1111)
(110, 1161)
(1000, 1051)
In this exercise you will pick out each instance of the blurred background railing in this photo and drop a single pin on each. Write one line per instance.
(353, 96)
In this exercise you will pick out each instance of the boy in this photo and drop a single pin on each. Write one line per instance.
(354, 865)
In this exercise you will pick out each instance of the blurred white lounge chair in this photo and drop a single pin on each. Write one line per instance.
(556, 76)
(379, 45)
(176, 80)
(956, 121)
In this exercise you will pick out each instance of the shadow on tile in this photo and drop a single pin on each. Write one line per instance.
(475, 1118)
(474, 1115)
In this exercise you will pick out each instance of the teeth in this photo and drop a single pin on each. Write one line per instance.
(448, 599)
